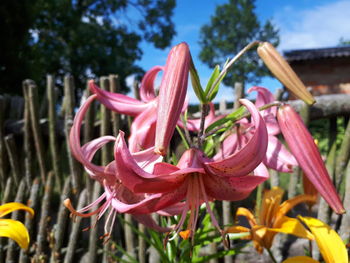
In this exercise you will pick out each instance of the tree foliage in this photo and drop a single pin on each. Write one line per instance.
(86, 38)
(233, 26)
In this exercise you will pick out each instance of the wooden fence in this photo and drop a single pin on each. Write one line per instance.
(37, 168)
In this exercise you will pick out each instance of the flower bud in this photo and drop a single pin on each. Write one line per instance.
(172, 93)
(305, 151)
(283, 72)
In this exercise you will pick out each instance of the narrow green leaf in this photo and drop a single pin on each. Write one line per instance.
(232, 117)
(196, 84)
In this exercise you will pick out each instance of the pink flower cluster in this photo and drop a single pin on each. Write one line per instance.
(139, 182)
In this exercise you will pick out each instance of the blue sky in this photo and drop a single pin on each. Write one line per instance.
(302, 24)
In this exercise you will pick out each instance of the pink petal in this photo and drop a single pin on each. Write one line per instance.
(250, 155)
(278, 157)
(135, 178)
(265, 97)
(306, 152)
(119, 102)
(147, 85)
(172, 93)
(143, 130)
(233, 188)
(85, 154)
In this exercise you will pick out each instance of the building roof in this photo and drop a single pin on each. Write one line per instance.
(316, 53)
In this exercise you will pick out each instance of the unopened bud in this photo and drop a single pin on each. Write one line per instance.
(283, 72)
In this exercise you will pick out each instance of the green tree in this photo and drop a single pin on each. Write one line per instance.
(86, 38)
(233, 26)
(344, 42)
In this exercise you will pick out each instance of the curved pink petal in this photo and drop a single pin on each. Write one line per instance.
(278, 157)
(172, 210)
(84, 155)
(250, 155)
(142, 135)
(147, 85)
(138, 180)
(119, 102)
(269, 115)
(233, 188)
(306, 152)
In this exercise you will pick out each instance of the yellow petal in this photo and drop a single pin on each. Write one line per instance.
(10, 207)
(270, 204)
(241, 211)
(15, 230)
(240, 229)
(287, 205)
(294, 227)
(300, 259)
(329, 242)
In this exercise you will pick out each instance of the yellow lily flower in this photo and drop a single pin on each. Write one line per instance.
(14, 229)
(329, 242)
(272, 219)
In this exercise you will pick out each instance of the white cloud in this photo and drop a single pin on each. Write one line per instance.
(322, 26)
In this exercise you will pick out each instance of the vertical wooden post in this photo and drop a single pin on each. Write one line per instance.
(43, 223)
(32, 202)
(27, 135)
(68, 121)
(51, 98)
(239, 93)
(3, 162)
(74, 234)
(61, 225)
(34, 119)
(13, 158)
(12, 254)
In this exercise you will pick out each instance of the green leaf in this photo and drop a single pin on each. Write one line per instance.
(210, 93)
(196, 84)
(230, 118)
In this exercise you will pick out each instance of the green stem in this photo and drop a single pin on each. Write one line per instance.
(233, 60)
(271, 256)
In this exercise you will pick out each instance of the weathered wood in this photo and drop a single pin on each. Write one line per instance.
(60, 227)
(27, 135)
(34, 119)
(13, 158)
(239, 93)
(114, 87)
(3, 160)
(12, 247)
(342, 158)
(74, 166)
(32, 202)
(41, 240)
(51, 106)
(74, 234)
(142, 245)
(93, 240)
(326, 106)
(345, 223)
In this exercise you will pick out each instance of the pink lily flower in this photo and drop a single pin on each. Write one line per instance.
(196, 178)
(115, 195)
(172, 90)
(277, 156)
(306, 152)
